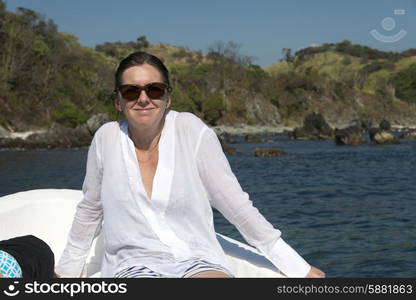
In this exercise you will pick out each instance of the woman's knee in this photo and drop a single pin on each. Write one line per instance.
(211, 274)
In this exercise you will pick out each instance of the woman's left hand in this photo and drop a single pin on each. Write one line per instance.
(315, 273)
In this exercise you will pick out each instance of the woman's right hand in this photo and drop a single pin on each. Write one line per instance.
(315, 273)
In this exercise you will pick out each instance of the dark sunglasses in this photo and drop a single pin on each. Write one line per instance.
(154, 90)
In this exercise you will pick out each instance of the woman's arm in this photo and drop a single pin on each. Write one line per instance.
(227, 196)
(87, 221)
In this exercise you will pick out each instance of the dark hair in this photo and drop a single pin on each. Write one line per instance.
(138, 59)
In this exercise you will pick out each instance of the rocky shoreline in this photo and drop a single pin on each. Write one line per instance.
(315, 127)
(57, 136)
(243, 130)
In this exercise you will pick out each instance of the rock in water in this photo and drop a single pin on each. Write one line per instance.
(380, 137)
(250, 138)
(314, 128)
(349, 136)
(261, 152)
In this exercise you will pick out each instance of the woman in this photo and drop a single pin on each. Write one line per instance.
(153, 178)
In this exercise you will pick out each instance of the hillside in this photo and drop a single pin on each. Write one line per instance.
(343, 85)
(47, 77)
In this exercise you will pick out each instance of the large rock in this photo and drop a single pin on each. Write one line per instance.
(251, 138)
(96, 121)
(352, 135)
(271, 152)
(314, 128)
(3, 132)
(381, 137)
(262, 111)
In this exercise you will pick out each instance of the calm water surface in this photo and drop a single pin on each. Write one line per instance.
(350, 211)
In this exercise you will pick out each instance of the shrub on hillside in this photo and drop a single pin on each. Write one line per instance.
(69, 115)
(213, 108)
(404, 83)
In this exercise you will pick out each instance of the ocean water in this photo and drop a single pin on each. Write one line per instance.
(350, 211)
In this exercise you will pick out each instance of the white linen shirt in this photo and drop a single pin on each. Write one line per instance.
(176, 224)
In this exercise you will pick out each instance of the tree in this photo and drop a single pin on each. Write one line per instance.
(287, 53)
(228, 53)
(213, 108)
(142, 43)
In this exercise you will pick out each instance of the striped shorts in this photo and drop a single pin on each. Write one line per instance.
(193, 267)
(9, 267)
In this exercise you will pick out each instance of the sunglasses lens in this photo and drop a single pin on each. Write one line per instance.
(130, 93)
(155, 91)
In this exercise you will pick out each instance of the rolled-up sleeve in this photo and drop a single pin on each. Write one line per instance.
(88, 218)
(227, 196)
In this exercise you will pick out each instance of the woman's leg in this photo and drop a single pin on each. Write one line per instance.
(200, 268)
(210, 274)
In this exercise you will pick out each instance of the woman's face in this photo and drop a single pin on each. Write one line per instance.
(144, 111)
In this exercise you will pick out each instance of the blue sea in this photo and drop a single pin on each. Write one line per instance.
(350, 211)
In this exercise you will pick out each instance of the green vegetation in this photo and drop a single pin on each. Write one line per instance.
(69, 115)
(47, 76)
(405, 83)
(346, 74)
(346, 47)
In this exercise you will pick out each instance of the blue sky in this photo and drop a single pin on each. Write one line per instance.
(262, 27)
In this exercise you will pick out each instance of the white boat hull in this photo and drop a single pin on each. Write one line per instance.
(48, 214)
